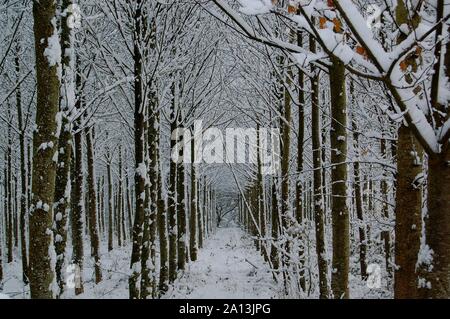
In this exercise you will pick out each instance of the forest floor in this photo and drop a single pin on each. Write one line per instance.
(227, 267)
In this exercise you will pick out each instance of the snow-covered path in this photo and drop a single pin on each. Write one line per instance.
(226, 269)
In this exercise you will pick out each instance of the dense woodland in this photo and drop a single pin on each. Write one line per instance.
(93, 95)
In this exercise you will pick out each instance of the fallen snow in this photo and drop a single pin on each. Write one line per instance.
(226, 269)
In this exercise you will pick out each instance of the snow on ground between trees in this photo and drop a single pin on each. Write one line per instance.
(226, 269)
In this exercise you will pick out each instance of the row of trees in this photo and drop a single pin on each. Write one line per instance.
(76, 180)
(348, 79)
(97, 107)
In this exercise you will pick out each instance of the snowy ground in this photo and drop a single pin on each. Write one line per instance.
(228, 267)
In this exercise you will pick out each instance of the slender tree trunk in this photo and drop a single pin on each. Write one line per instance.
(298, 186)
(110, 203)
(129, 206)
(317, 182)
(162, 226)
(77, 198)
(260, 193)
(93, 227)
(193, 218)
(122, 213)
(359, 206)
(340, 214)
(45, 145)
(154, 191)
(23, 172)
(140, 167)
(119, 210)
(5, 202)
(206, 210)
(148, 282)
(29, 173)
(181, 217)
(172, 203)
(146, 285)
(63, 183)
(274, 256)
(101, 198)
(386, 235)
(9, 194)
(200, 216)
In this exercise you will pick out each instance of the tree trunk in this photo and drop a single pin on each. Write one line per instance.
(200, 216)
(193, 248)
(93, 227)
(154, 191)
(285, 126)
(140, 167)
(436, 284)
(110, 202)
(317, 182)
(274, 257)
(23, 172)
(340, 215)
(359, 204)
(181, 216)
(162, 221)
(386, 234)
(45, 145)
(9, 193)
(260, 193)
(172, 204)
(129, 206)
(298, 184)
(408, 216)
(408, 210)
(148, 281)
(438, 219)
(62, 187)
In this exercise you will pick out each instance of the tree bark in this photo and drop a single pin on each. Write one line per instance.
(193, 246)
(93, 226)
(408, 210)
(62, 187)
(23, 172)
(298, 185)
(274, 256)
(172, 204)
(44, 147)
(162, 229)
(181, 216)
(317, 182)
(358, 201)
(260, 193)
(340, 215)
(110, 202)
(140, 167)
